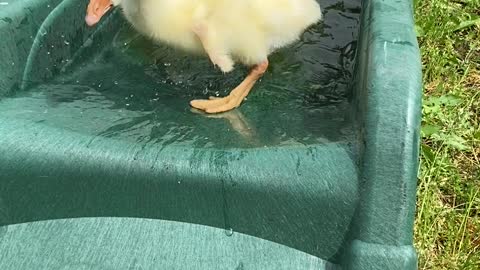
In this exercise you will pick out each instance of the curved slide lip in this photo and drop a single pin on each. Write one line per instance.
(389, 90)
(237, 190)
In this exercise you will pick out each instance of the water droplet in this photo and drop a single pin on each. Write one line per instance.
(115, 82)
(229, 232)
(48, 53)
(66, 42)
(88, 42)
(128, 104)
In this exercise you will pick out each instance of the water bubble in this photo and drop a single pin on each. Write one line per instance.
(167, 64)
(66, 42)
(229, 232)
(88, 42)
(115, 82)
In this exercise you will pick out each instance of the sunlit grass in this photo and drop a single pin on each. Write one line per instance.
(447, 227)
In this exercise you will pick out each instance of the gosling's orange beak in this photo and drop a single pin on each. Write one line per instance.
(96, 9)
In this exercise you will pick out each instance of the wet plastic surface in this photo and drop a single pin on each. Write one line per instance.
(96, 123)
(127, 87)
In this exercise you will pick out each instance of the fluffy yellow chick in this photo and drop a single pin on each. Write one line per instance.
(246, 31)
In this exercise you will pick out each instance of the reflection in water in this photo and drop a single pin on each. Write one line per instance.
(237, 121)
(133, 89)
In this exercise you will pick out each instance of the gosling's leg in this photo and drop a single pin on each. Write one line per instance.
(236, 96)
(213, 46)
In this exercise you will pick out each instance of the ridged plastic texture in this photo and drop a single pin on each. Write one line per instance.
(103, 166)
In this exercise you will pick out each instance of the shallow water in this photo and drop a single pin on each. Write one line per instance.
(134, 89)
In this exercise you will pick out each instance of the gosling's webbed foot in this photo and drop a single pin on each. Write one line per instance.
(217, 105)
(235, 98)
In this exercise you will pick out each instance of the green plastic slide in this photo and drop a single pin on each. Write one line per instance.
(103, 164)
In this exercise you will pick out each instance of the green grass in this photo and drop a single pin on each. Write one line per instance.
(447, 226)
